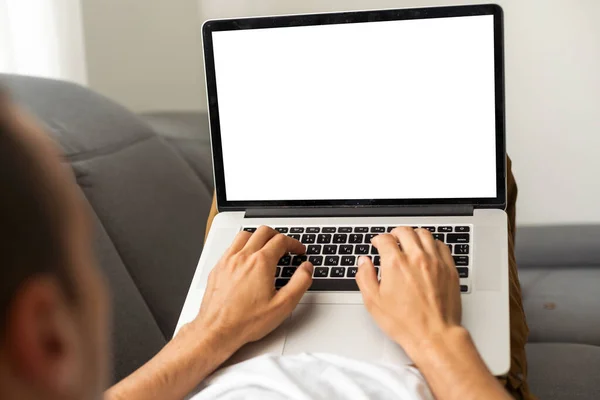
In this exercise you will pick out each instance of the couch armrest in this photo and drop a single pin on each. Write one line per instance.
(558, 246)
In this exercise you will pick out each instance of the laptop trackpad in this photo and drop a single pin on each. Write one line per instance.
(271, 344)
(342, 329)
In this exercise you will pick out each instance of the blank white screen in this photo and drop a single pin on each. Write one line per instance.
(384, 110)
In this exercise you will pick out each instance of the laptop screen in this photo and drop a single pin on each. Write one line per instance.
(402, 109)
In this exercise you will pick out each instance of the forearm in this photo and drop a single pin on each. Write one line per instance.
(454, 370)
(176, 370)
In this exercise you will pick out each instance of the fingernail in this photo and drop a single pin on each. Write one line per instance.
(309, 267)
(361, 261)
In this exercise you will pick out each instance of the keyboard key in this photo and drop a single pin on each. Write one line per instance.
(329, 230)
(377, 261)
(461, 249)
(463, 272)
(429, 228)
(316, 260)
(349, 260)
(314, 249)
(332, 260)
(279, 283)
(297, 230)
(356, 238)
(321, 272)
(361, 229)
(313, 230)
(458, 238)
(462, 229)
(378, 229)
(334, 285)
(377, 271)
(369, 237)
(340, 239)
(346, 249)
(464, 288)
(285, 261)
(308, 239)
(282, 230)
(324, 238)
(277, 272)
(390, 228)
(338, 272)
(374, 250)
(330, 249)
(361, 249)
(351, 272)
(297, 237)
(444, 229)
(439, 236)
(345, 229)
(461, 261)
(450, 247)
(251, 230)
(288, 272)
(298, 260)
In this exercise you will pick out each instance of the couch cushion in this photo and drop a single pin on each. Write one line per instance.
(150, 204)
(562, 304)
(154, 209)
(82, 122)
(188, 133)
(135, 335)
(564, 371)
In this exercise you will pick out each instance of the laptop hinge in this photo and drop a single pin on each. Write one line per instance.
(380, 211)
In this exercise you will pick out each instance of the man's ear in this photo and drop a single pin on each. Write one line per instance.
(42, 339)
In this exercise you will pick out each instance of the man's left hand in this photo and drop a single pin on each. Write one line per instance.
(241, 304)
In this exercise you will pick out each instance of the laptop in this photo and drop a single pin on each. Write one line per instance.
(333, 128)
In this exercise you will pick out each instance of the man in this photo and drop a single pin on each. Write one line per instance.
(53, 313)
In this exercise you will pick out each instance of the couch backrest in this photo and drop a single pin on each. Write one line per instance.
(148, 204)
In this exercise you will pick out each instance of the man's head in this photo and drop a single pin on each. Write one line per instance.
(52, 299)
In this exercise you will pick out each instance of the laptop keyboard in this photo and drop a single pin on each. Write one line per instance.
(334, 252)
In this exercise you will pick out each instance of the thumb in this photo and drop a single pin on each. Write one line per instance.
(289, 295)
(366, 278)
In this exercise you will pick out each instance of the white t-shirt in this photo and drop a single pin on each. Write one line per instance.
(313, 376)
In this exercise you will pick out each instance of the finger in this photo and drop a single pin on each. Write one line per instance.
(281, 244)
(408, 239)
(454, 302)
(445, 255)
(427, 242)
(387, 246)
(366, 278)
(289, 296)
(239, 241)
(260, 238)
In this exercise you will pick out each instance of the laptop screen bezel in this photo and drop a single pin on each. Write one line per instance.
(355, 17)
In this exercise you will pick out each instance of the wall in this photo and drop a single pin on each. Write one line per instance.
(145, 54)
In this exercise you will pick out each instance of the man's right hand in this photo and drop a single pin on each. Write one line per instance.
(418, 297)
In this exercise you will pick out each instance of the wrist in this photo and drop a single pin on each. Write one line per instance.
(179, 367)
(194, 354)
(201, 337)
(453, 368)
(437, 342)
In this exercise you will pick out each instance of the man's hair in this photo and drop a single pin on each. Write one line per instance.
(30, 229)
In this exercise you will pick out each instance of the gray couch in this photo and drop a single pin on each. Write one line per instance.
(149, 181)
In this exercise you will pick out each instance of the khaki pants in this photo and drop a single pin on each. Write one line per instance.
(516, 380)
